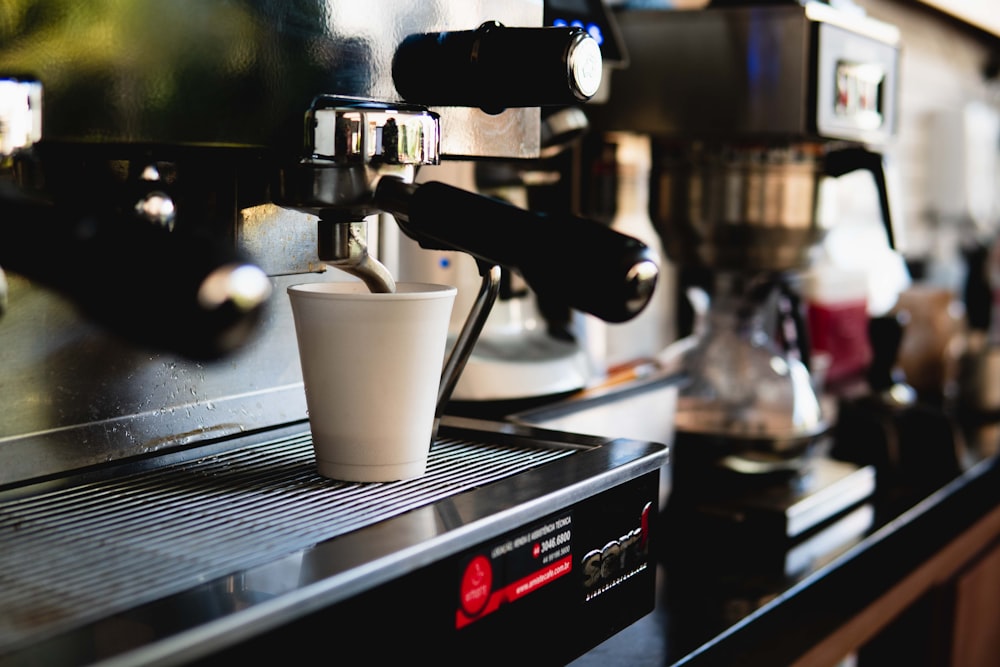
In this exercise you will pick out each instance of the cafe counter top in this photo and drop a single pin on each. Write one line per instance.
(908, 575)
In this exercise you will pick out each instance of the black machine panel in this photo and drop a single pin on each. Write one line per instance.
(543, 593)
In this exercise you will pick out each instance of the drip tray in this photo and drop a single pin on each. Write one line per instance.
(81, 553)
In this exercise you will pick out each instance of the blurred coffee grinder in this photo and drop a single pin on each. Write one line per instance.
(752, 109)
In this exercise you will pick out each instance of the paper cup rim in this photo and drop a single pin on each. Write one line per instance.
(358, 291)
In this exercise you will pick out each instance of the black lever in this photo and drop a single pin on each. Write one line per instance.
(886, 335)
(180, 291)
(584, 263)
(495, 67)
(845, 160)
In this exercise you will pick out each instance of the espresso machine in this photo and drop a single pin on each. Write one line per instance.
(753, 110)
(164, 176)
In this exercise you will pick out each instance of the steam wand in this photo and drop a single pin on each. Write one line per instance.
(344, 245)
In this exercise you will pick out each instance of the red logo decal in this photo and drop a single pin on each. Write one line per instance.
(477, 583)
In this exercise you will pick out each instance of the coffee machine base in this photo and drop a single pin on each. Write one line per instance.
(515, 539)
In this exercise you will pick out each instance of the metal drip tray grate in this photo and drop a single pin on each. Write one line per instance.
(74, 554)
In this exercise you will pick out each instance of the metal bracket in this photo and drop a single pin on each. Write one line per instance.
(466, 341)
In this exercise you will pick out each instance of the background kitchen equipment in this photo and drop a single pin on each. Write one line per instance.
(976, 393)
(800, 92)
(131, 177)
(614, 173)
(913, 444)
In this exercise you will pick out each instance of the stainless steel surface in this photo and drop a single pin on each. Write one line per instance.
(344, 134)
(76, 396)
(641, 408)
(753, 207)
(238, 73)
(739, 208)
(282, 240)
(349, 253)
(642, 276)
(786, 70)
(350, 145)
(235, 539)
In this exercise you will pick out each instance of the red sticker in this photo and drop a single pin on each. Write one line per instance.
(477, 584)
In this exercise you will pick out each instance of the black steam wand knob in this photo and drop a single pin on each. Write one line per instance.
(495, 67)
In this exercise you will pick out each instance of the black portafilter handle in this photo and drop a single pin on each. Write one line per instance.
(584, 263)
(182, 292)
(495, 67)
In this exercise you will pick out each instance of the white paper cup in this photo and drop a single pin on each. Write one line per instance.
(371, 364)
